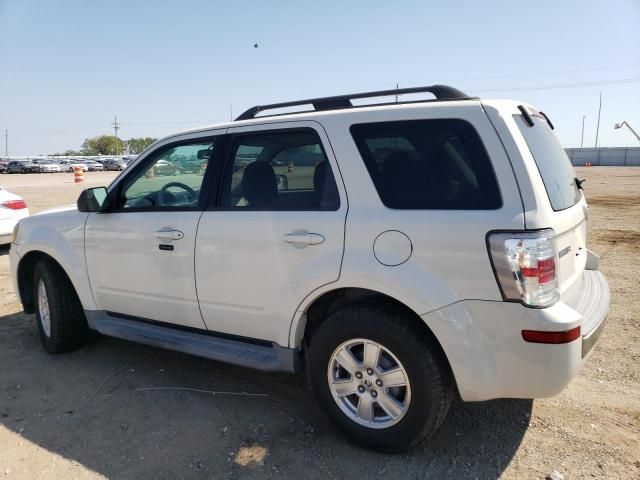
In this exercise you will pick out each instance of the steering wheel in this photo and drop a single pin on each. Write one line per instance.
(162, 194)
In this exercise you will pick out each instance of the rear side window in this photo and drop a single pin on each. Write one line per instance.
(279, 170)
(428, 165)
(557, 174)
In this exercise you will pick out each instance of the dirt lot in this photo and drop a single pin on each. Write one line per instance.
(98, 412)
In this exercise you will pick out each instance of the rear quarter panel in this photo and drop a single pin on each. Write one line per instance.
(569, 224)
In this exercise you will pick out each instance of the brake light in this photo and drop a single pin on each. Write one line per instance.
(525, 266)
(14, 204)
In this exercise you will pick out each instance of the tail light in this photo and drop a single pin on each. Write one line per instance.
(14, 204)
(525, 266)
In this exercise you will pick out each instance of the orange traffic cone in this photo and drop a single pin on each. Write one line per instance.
(78, 174)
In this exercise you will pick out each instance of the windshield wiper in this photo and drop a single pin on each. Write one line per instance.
(579, 182)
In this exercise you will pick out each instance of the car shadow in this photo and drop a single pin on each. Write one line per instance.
(128, 410)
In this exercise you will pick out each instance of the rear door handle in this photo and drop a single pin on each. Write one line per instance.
(168, 234)
(304, 238)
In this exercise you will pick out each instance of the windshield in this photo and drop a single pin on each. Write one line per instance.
(557, 173)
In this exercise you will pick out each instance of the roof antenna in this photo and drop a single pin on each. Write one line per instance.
(397, 88)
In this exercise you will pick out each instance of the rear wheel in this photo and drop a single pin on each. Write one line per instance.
(59, 314)
(384, 383)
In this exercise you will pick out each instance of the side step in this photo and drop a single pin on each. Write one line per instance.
(207, 345)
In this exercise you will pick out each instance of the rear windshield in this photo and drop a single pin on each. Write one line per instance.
(555, 168)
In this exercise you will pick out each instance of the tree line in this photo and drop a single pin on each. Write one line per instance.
(110, 145)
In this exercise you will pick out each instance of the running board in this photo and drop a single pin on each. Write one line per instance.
(244, 353)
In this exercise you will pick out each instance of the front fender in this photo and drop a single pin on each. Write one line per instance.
(61, 236)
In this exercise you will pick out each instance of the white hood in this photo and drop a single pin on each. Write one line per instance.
(62, 208)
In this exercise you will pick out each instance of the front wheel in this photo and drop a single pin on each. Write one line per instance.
(59, 314)
(383, 381)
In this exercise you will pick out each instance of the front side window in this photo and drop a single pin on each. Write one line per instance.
(279, 170)
(171, 178)
(428, 164)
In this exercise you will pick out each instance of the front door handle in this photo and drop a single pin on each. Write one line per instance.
(304, 238)
(168, 234)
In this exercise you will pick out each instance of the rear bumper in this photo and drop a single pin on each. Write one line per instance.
(489, 358)
(590, 296)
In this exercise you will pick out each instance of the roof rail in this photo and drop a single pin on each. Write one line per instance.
(441, 92)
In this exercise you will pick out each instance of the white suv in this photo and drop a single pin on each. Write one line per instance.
(398, 251)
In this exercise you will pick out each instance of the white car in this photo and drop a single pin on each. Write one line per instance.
(69, 165)
(48, 166)
(93, 166)
(399, 252)
(12, 209)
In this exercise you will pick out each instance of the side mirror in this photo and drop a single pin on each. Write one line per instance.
(93, 200)
(283, 182)
(204, 154)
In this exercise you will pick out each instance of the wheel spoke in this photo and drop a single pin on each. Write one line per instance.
(365, 408)
(389, 405)
(371, 354)
(347, 361)
(343, 388)
(394, 378)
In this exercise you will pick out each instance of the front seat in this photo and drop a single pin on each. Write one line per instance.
(259, 184)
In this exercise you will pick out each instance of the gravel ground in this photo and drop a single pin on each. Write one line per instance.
(122, 410)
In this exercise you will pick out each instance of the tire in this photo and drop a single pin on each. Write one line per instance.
(66, 329)
(426, 397)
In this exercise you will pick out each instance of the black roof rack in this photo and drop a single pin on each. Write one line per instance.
(441, 92)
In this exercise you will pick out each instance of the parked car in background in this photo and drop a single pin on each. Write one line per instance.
(93, 166)
(114, 164)
(48, 166)
(162, 167)
(67, 165)
(191, 166)
(23, 166)
(12, 209)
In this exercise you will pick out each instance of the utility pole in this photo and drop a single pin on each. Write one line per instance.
(397, 87)
(6, 143)
(116, 127)
(598, 127)
(231, 113)
(582, 136)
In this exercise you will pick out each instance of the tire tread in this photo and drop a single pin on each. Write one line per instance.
(68, 322)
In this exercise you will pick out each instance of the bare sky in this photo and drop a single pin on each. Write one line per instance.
(67, 67)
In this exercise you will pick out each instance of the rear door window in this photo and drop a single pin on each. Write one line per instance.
(279, 170)
(555, 168)
(428, 164)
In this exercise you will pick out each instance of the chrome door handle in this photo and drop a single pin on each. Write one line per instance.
(168, 234)
(304, 238)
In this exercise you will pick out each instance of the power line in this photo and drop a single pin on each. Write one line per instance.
(117, 125)
(542, 74)
(561, 85)
(168, 122)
